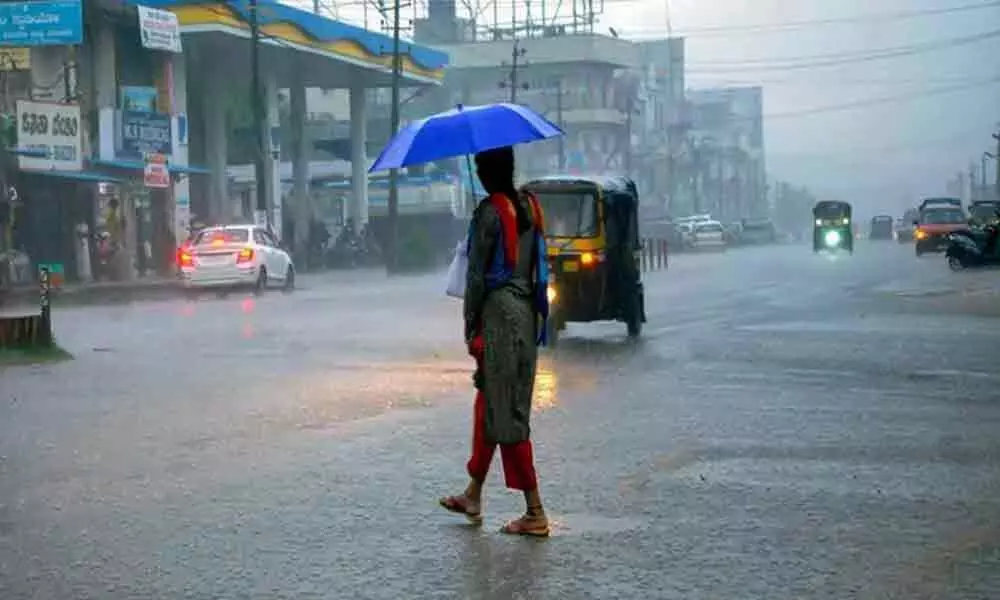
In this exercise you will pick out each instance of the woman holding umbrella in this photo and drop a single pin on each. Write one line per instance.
(502, 316)
(505, 300)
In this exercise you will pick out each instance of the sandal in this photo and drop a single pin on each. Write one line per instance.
(527, 525)
(462, 506)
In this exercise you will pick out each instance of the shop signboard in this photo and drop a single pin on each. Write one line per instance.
(155, 174)
(53, 130)
(41, 23)
(143, 133)
(138, 98)
(159, 30)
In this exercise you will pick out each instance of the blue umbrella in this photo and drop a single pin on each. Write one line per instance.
(462, 131)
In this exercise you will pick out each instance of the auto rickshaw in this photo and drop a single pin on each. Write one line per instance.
(832, 228)
(592, 230)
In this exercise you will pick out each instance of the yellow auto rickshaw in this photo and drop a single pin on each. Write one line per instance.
(594, 251)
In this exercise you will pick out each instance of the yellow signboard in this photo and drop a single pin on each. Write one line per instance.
(15, 59)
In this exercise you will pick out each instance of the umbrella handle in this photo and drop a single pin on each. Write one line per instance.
(472, 182)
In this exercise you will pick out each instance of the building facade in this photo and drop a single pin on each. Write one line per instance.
(726, 154)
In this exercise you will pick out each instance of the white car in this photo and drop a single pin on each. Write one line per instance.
(235, 255)
(708, 235)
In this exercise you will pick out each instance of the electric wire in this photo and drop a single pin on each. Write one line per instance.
(843, 59)
(809, 23)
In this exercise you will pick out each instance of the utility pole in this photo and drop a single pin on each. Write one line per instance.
(982, 174)
(516, 53)
(629, 107)
(392, 236)
(260, 121)
(559, 120)
(996, 157)
(973, 195)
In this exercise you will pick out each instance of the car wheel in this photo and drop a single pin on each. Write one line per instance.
(261, 283)
(289, 280)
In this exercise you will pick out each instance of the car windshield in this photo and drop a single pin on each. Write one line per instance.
(569, 214)
(942, 216)
(984, 211)
(234, 235)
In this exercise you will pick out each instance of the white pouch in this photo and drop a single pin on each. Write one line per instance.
(458, 270)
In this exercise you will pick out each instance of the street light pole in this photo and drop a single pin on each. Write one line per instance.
(259, 114)
(996, 157)
(392, 235)
(559, 121)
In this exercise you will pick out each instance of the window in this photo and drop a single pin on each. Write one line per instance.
(942, 216)
(226, 235)
(261, 237)
(569, 214)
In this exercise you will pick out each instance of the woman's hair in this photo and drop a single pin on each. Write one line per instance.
(495, 169)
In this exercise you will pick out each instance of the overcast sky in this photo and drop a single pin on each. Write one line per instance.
(877, 154)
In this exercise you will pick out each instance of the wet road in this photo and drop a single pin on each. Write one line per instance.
(790, 426)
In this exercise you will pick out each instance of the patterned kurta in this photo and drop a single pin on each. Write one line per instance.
(507, 318)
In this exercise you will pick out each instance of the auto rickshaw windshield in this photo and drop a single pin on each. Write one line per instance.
(831, 211)
(569, 214)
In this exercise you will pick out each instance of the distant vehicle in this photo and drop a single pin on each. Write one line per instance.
(758, 232)
(881, 228)
(935, 223)
(832, 226)
(939, 202)
(905, 227)
(233, 256)
(708, 235)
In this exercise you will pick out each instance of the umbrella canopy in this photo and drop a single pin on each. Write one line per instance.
(464, 130)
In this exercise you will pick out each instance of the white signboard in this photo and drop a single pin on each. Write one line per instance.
(53, 131)
(159, 30)
(156, 175)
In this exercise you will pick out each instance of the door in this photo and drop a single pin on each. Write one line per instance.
(277, 265)
(266, 250)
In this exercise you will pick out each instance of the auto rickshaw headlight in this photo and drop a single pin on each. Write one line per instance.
(832, 238)
(551, 293)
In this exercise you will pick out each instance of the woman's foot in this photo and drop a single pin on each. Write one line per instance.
(463, 505)
(533, 523)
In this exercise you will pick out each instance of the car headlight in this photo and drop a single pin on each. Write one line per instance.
(832, 238)
(819, 222)
(846, 221)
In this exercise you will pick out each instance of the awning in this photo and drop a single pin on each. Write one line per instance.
(77, 175)
(138, 165)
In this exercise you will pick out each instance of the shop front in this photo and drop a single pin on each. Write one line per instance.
(54, 218)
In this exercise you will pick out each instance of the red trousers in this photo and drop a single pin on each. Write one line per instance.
(518, 459)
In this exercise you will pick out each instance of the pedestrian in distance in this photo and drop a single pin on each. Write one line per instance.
(505, 305)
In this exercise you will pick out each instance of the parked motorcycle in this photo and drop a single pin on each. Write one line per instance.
(968, 250)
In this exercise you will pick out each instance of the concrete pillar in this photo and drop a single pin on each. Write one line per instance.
(358, 209)
(213, 128)
(300, 171)
(103, 73)
(182, 184)
(272, 161)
